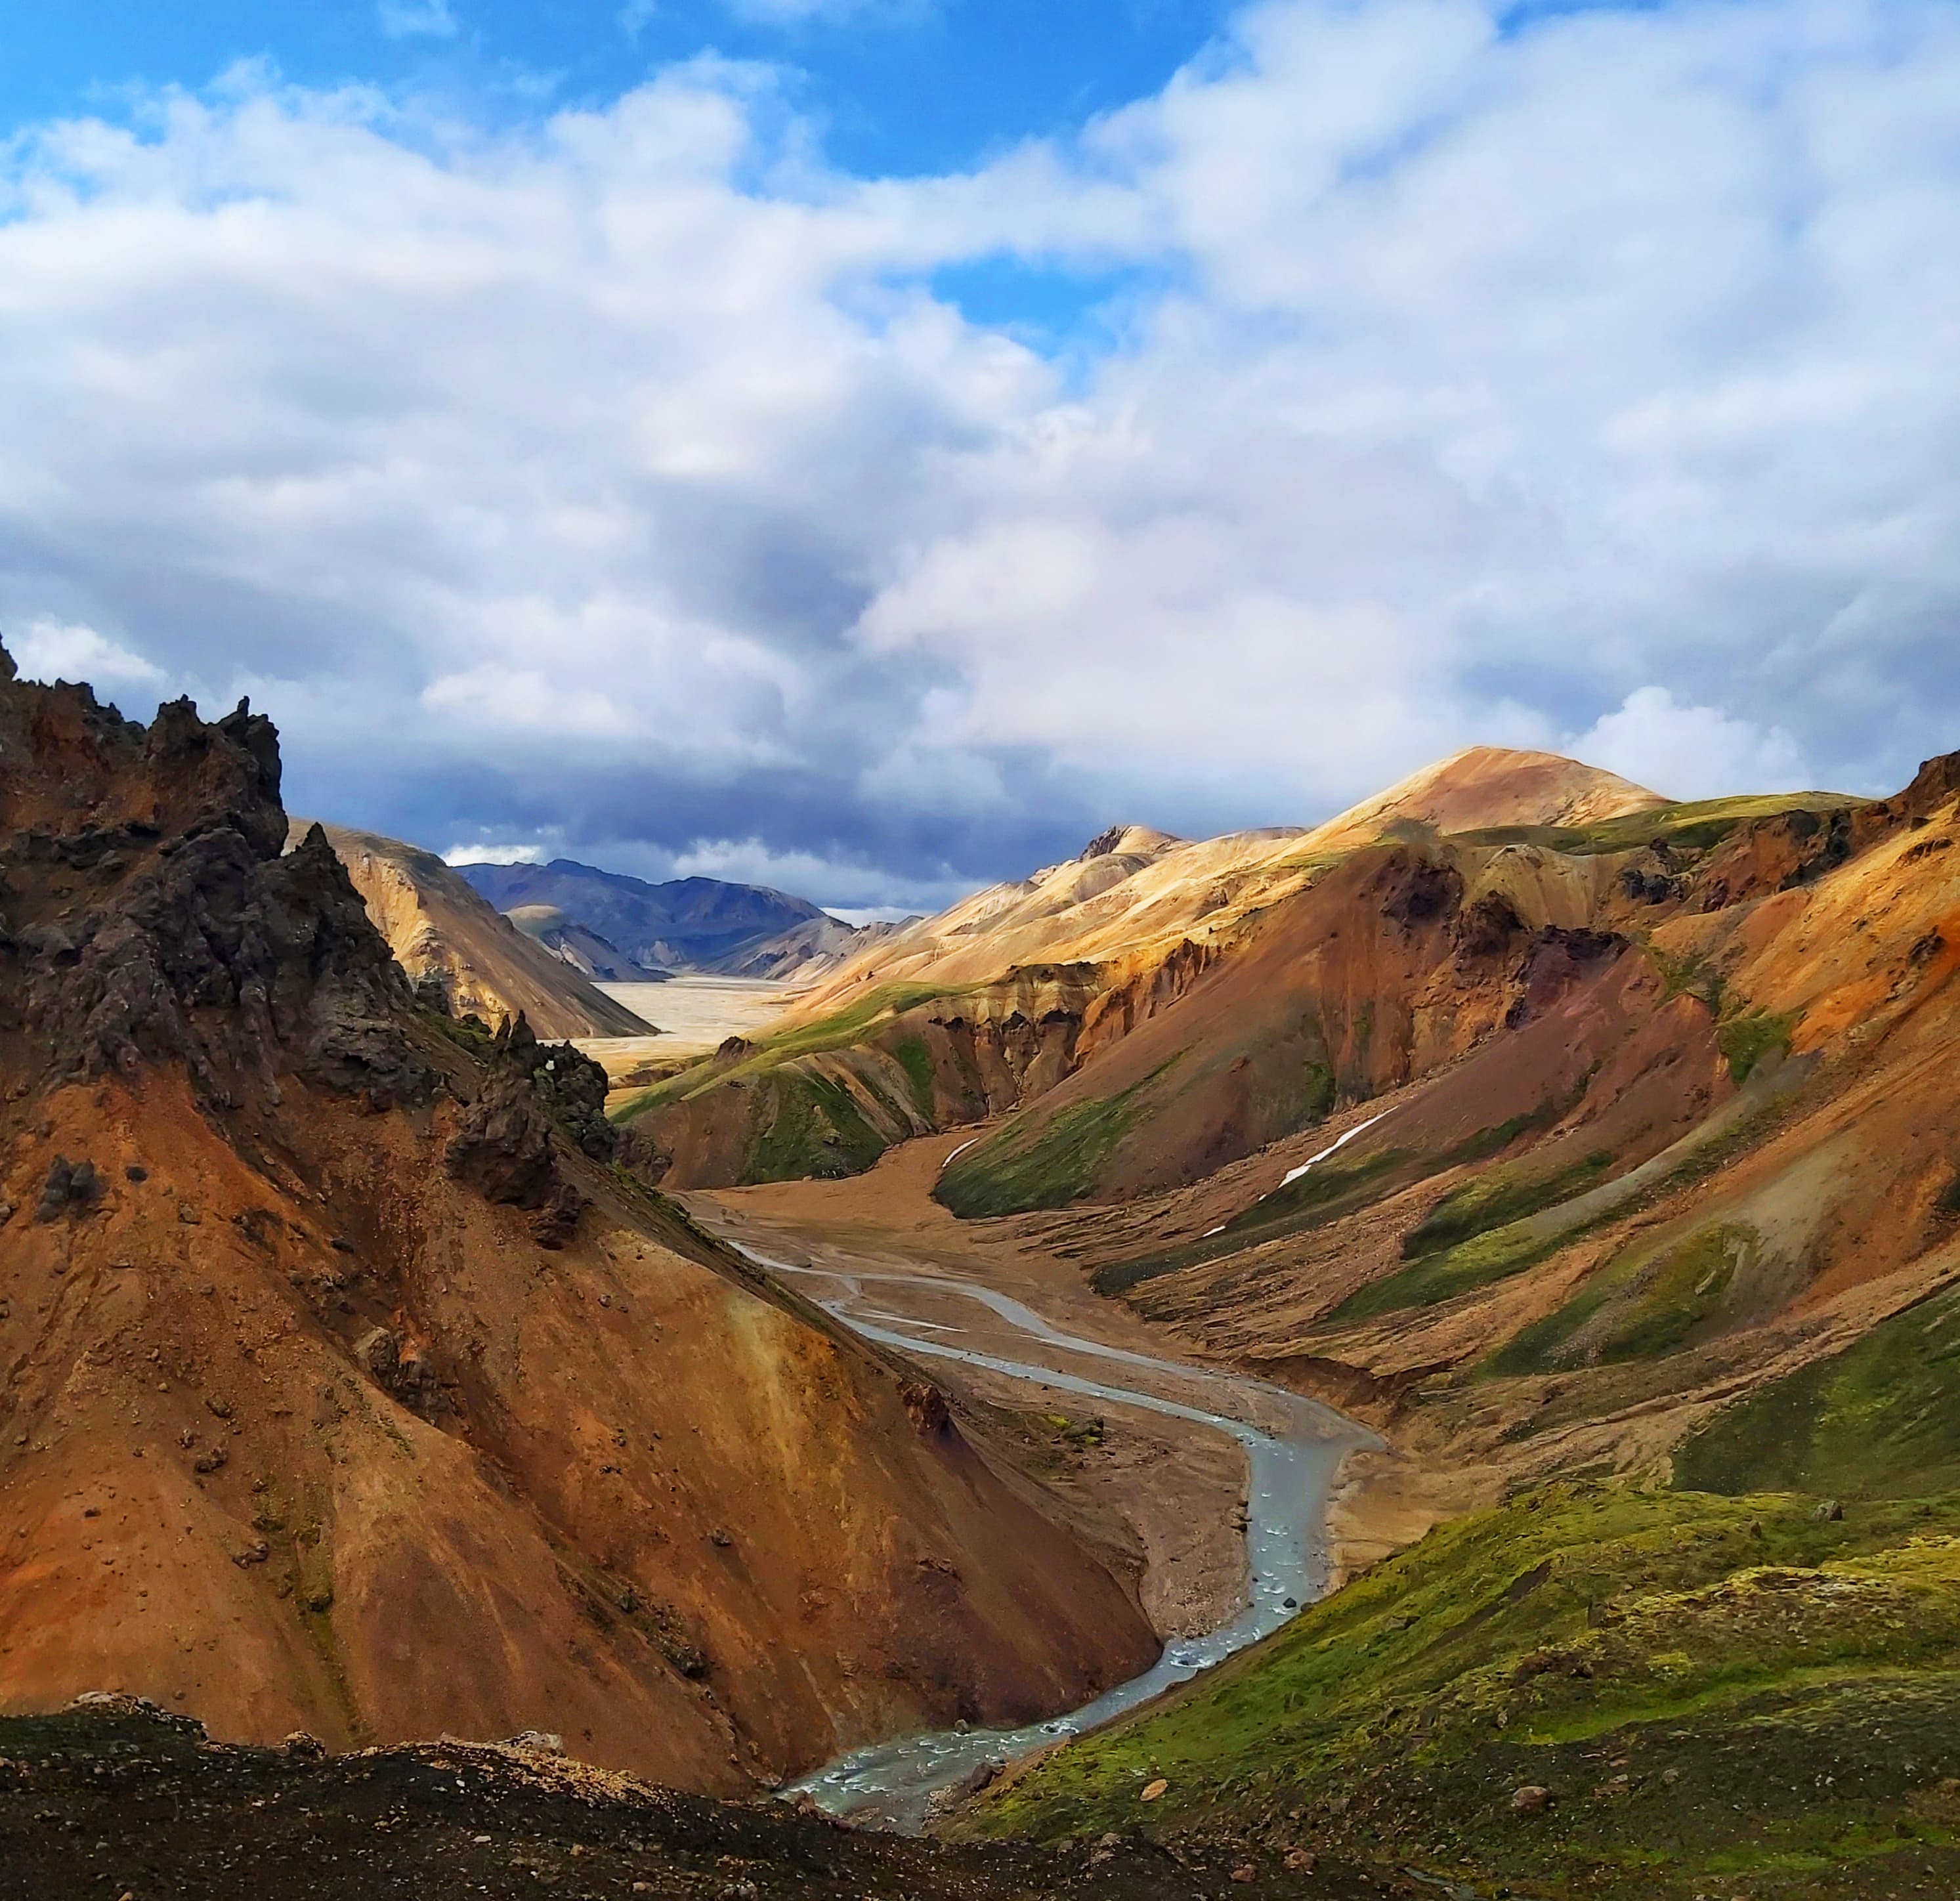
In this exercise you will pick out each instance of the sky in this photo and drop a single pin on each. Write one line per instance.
(868, 447)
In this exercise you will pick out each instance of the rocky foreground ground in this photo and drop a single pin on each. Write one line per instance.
(114, 1797)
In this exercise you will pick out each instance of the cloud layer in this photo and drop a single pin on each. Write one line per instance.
(617, 483)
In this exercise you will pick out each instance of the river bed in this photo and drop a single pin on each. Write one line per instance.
(1294, 1448)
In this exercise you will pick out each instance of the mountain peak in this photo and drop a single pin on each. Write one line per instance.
(1145, 840)
(1485, 786)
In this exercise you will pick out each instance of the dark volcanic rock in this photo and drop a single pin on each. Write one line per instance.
(71, 1188)
(1414, 889)
(1936, 781)
(1489, 926)
(534, 1096)
(114, 1786)
(147, 917)
(1555, 962)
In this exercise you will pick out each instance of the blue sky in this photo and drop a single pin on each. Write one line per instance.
(898, 87)
(892, 88)
(869, 446)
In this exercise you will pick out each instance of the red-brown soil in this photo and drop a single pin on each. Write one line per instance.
(349, 1387)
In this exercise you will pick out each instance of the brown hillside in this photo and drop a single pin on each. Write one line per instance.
(1637, 1135)
(984, 1008)
(444, 934)
(353, 1385)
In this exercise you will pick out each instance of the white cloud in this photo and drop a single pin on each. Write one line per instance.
(496, 855)
(1691, 752)
(636, 16)
(621, 473)
(416, 19)
(48, 650)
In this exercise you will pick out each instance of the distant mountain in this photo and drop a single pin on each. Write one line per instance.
(687, 924)
(440, 930)
(585, 951)
(813, 949)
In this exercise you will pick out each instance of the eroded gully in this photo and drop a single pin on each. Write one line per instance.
(1293, 1448)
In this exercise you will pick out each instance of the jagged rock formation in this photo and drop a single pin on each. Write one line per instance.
(461, 955)
(354, 1383)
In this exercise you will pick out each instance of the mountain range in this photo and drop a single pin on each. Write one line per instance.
(687, 924)
(1596, 1150)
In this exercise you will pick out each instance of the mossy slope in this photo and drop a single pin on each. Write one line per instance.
(1881, 1419)
(1041, 1160)
(1710, 1688)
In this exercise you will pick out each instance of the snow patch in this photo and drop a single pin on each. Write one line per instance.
(1294, 1174)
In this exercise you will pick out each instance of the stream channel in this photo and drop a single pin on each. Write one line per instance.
(1294, 1448)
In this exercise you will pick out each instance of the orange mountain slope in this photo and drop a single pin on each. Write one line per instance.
(354, 1382)
(1134, 888)
(443, 933)
(1628, 1144)
(986, 1008)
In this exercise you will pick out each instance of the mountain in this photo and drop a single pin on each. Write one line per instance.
(356, 1383)
(585, 951)
(1134, 888)
(445, 936)
(1611, 1168)
(689, 924)
(812, 949)
(1003, 996)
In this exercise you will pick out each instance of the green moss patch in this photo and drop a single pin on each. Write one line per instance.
(1696, 825)
(1462, 1270)
(845, 1029)
(1747, 1040)
(1643, 1308)
(913, 1056)
(1881, 1419)
(808, 1125)
(1706, 1686)
(1498, 1197)
(1042, 1158)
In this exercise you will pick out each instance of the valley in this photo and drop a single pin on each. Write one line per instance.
(1374, 1336)
(1210, 1594)
(697, 1015)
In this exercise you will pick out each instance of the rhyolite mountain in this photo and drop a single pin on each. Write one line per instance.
(1007, 993)
(356, 1382)
(1604, 1155)
(585, 951)
(455, 945)
(686, 924)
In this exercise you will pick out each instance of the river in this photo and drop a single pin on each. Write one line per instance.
(1293, 1448)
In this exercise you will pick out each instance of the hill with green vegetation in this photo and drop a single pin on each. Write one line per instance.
(1597, 1690)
